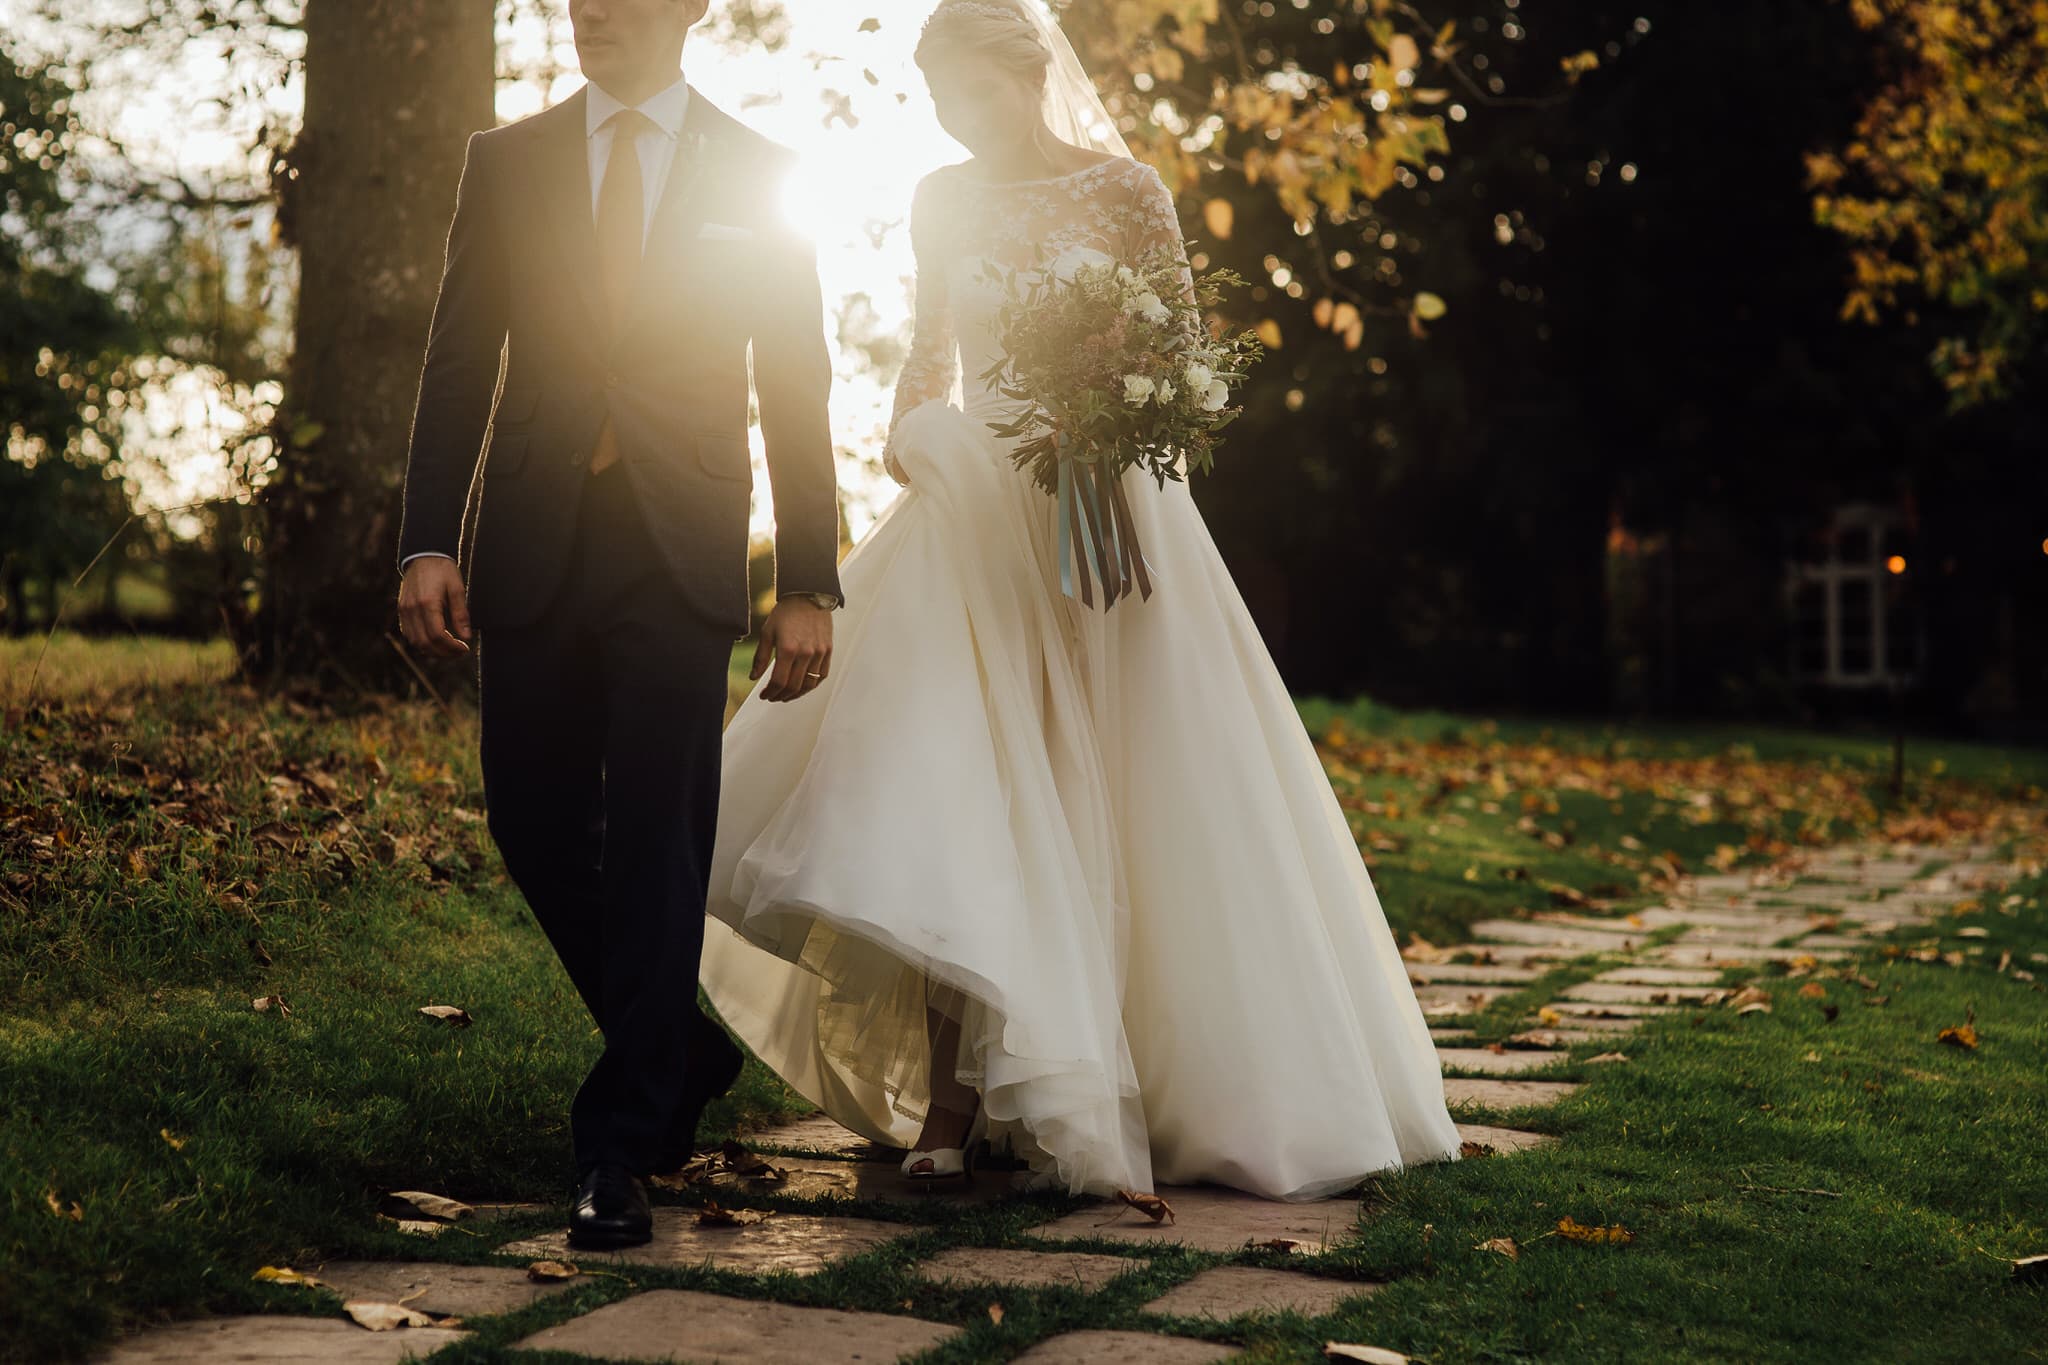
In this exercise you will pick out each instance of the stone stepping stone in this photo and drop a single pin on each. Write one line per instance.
(1825, 942)
(1630, 993)
(683, 1324)
(820, 1136)
(1033, 1269)
(1559, 936)
(1584, 1028)
(1114, 1348)
(1233, 1291)
(276, 1341)
(1728, 955)
(1456, 999)
(815, 1178)
(1544, 955)
(1461, 1091)
(1212, 1218)
(1440, 1034)
(1503, 1063)
(469, 1291)
(1505, 1141)
(1661, 976)
(1761, 934)
(1665, 916)
(1512, 973)
(1579, 1010)
(798, 1243)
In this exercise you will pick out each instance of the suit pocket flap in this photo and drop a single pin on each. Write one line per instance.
(725, 457)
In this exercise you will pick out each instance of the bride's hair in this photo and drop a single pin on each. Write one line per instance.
(999, 31)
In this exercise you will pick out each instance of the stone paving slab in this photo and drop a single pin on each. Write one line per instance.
(1502, 1094)
(826, 1178)
(1212, 1218)
(1510, 973)
(798, 1243)
(1456, 999)
(1665, 916)
(1441, 1034)
(1762, 934)
(1630, 993)
(1559, 936)
(468, 1291)
(1576, 1010)
(1035, 1269)
(683, 1324)
(1728, 955)
(1545, 955)
(1503, 1063)
(1232, 1291)
(1661, 976)
(1601, 1031)
(1114, 1348)
(275, 1340)
(821, 1136)
(1505, 1140)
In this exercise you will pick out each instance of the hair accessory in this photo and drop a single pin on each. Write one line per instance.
(980, 9)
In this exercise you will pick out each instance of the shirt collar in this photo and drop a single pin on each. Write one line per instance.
(665, 107)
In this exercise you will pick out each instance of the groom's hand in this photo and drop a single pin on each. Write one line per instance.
(798, 636)
(433, 607)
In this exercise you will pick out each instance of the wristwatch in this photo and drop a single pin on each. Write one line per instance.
(829, 601)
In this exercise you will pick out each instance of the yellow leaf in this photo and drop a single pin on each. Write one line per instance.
(1429, 307)
(280, 1274)
(1403, 53)
(1613, 1234)
(1269, 334)
(1504, 1245)
(1220, 218)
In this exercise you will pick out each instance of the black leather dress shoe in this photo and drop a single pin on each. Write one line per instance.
(611, 1209)
(709, 1081)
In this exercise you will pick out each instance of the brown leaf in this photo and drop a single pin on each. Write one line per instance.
(548, 1271)
(1504, 1245)
(72, 1211)
(1284, 1245)
(1469, 1149)
(419, 1204)
(1813, 990)
(995, 1314)
(1609, 1057)
(1750, 995)
(1612, 1234)
(1151, 1205)
(262, 1004)
(279, 1274)
(749, 1165)
(456, 1016)
(1959, 1035)
(714, 1215)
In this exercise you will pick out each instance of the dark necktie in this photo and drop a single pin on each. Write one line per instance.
(621, 210)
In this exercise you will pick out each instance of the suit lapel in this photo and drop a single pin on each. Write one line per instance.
(565, 174)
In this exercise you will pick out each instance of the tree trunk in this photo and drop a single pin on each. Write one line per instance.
(393, 90)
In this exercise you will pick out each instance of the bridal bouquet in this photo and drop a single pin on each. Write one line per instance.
(1113, 367)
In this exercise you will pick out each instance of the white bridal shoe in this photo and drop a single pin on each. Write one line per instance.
(947, 1162)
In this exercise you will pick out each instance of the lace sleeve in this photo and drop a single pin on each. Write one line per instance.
(933, 363)
(1154, 222)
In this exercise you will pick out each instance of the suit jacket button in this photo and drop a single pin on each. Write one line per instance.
(575, 459)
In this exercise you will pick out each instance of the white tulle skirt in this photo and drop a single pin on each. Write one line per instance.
(1102, 841)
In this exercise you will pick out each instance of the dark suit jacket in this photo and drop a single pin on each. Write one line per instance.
(522, 280)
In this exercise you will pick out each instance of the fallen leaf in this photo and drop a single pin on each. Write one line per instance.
(1612, 1234)
(749, 1165)
(1959, 1035)
(177, 1143)
(280, 1274)
(1504, 1245)
(1755, 1007)
(1813, 990)
(1609, 1057)
(995, 1314)
(546, 1271)
(1377, 1355)
(456, 1016)
(1469, 1149)
(1549, 1017)
(1284, 1245)
(416, 1204)
(264, 1003)
(1750, 995)
(73, 1211)
(714, 1215)
(1151, 1205)
(387, 1317)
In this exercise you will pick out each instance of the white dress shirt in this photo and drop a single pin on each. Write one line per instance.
(665, 110)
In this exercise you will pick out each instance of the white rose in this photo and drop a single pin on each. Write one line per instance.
(1137, 389)
(1126, 276)
(1217, 398)
(1198, 377)
(1148, 307)
(1070, 264)
(1166, 392)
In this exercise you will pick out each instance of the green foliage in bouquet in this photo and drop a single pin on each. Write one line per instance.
(1114, 364)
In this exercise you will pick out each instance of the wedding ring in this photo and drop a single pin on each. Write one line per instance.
(814, 675)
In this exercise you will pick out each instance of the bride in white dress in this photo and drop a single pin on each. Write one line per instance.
(1069, 879)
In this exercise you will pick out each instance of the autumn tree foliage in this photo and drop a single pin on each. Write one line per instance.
(1943, 193)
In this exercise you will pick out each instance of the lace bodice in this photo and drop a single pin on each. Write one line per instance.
(1119, 207)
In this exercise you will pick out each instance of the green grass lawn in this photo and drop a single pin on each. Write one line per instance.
(173, 847)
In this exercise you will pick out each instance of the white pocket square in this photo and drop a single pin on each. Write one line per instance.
(724, 232)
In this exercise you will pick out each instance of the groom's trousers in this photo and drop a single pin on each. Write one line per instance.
(601, 740)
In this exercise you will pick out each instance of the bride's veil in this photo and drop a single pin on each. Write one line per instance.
(1073, 111)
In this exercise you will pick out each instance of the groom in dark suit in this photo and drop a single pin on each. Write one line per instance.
(617, 254)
